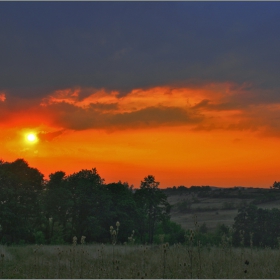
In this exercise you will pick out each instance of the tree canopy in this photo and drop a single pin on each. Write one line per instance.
(152, 204)
(275, 186)
(53, 211)
(20, 189)
(80, 204)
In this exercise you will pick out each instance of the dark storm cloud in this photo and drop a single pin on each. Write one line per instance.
(124, 45)
(104, 107)
(49, 136)
(77, 118)
(224, 106)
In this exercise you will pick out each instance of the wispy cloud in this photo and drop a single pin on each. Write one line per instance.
(49, 136)
(209, 107)
(2, 97)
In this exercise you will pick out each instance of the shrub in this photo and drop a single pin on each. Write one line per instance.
(39, 237)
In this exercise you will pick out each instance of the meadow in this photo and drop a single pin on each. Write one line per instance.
(212, 233)
(221, 208)
(138, 262)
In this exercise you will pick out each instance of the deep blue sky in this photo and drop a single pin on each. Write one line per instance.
(125, 45)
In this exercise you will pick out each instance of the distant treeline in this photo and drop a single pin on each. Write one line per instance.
(53, 211)
(174, 189)
(259, 195)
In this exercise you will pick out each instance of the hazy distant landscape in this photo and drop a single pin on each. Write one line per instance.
(218, 206)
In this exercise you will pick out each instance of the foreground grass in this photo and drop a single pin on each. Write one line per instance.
(123, 261)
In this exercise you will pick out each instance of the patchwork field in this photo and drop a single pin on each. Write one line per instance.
(218, 206)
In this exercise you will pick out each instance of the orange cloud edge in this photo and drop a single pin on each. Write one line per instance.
(216, 134)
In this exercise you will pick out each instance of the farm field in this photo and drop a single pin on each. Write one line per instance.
(213, 210)
(136, 262)
(211, 218)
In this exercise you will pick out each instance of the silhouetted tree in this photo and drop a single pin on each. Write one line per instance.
(20, 209)
(275, 186)
(152, 204)
(57, 202)
(90, 204)
(122, 208)
(262, 226)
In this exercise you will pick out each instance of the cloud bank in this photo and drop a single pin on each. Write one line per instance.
(121, 46)
(131, 65)
(225, 107)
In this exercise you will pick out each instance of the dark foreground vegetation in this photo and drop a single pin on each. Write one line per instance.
(81, 205)
(33, 210)
(165, 261)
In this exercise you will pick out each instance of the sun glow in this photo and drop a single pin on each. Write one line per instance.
(31, 138)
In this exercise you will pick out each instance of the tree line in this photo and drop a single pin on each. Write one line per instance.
(53, 211)
(255, 226)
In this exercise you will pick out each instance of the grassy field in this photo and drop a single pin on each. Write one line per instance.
(210, 217)
(213, 210)
(178, 261)
(123, 261)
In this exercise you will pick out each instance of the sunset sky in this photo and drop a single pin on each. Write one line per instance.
(186, 91)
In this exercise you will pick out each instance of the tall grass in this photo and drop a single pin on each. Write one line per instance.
(135, 261)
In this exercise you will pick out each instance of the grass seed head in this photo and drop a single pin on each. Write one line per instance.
(75, 240)
(83, 238)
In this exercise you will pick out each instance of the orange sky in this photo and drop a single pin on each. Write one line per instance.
(213, 134)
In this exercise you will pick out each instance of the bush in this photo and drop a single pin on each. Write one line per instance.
(184, 206)
(228, 205)
(39, 237)
(203, 228)
(173, 232)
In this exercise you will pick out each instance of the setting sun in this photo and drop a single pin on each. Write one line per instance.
(31, 137)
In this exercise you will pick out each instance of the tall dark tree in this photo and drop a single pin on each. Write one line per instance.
(152, 204)
(90, 204)
(262, 226)
(20, 209)
(275, 186)
(57, 202)
(122, 208)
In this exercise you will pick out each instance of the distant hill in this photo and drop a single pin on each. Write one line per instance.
(214, 205)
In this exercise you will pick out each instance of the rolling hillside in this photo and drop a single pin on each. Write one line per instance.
(216, 205)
